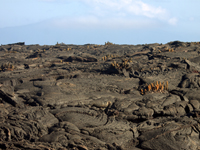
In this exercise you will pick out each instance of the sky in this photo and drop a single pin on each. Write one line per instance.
(79, 22)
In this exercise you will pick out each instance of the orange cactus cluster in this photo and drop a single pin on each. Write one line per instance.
(169, 49)
(124, 64)
(155, 87)
(7, 67)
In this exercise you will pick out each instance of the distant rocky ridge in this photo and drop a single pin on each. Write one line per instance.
(100, 97)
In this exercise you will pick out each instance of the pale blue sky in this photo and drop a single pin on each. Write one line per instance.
(98, 21)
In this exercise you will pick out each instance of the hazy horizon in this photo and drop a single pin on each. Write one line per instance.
(79, 22)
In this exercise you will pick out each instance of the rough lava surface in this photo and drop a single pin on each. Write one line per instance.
(100, 97)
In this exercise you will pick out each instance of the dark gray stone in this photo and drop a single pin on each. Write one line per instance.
(100, 97)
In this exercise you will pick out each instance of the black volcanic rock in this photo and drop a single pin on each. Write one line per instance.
(99, 97)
